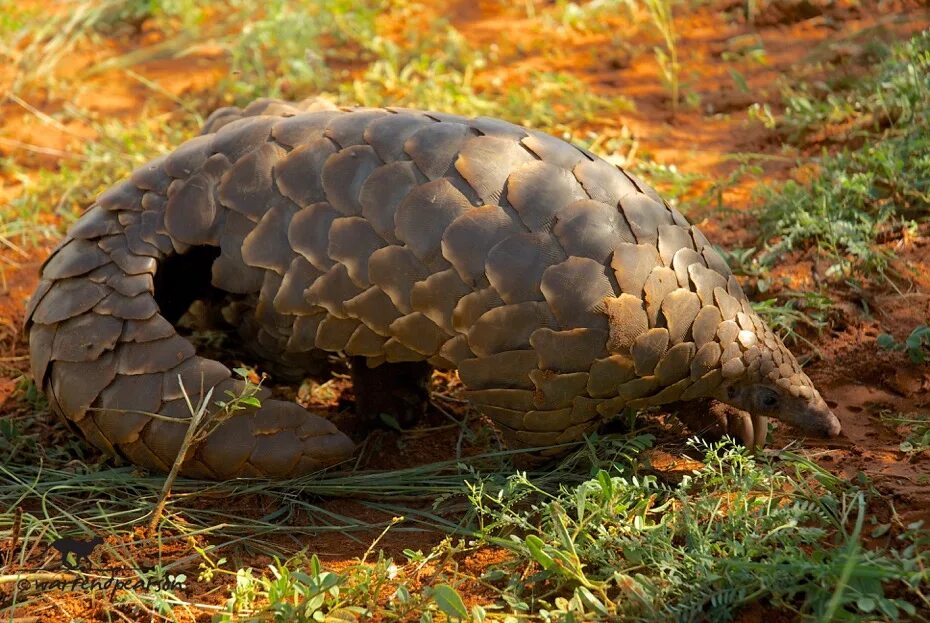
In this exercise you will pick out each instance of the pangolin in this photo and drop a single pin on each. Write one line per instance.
(562, 288)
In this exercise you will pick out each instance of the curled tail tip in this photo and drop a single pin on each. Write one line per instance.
(278, 440)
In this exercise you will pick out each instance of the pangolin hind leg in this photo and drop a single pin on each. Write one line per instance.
(400, 390)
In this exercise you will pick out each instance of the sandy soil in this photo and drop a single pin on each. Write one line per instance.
(857, 378)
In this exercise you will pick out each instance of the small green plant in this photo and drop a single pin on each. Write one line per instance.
(763, 114)
(301, 590)
(295, 592)
(247, 397)
(915, 426)
(203, 422)
(745, 261)
(893, 97)
(916, 345)
(876, 191)
(671, 181)
(661, 14)
(736, 532)
(743, 48)
(586, 16)
(793, 309)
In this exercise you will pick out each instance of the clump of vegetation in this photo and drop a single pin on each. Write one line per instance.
(893, 96)
(274, 49)
(623, 545)
(660, 12)
(53, 198)
(792, 310)
(916, 345)
(914, 426)
(873, 192)
(302, 590)
(633, 547)
(437, 73)
(589, 16)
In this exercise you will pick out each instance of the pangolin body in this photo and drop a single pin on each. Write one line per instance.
(562, 288)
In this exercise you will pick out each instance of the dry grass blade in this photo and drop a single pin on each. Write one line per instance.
(190, 440)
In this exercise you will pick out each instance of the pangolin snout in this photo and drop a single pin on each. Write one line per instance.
(818, 419)
(829, 423)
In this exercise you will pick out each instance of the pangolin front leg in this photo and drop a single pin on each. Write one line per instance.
(562, 288)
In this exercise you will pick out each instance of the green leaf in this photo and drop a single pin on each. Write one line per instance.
(449, 601)
(865, 604)
(881, 530)
(888, 608)
(559, 519)
(341, 615)
(536, 545)
(739, 80)
(885, 341)
(607, 485)
(390, 421)
(591, 601)
(316, 602)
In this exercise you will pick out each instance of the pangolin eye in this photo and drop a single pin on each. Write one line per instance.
(769, 400)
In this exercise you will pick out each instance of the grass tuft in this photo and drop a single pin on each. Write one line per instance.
(872, 192)
(738, 531)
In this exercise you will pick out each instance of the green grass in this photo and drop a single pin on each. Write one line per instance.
(436, 71)
(915, 428)
(597, 537)
(273, 49)
(738, 531)
(916, 345)
(875, 190)
(84, 173)
(781, 533)
(792, 310)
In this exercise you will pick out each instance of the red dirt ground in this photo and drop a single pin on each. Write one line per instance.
(854, 375)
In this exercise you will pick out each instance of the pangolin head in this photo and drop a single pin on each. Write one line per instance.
(766, 380)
